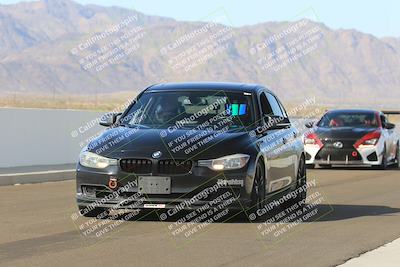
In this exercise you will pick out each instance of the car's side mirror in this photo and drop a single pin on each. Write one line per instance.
(272, 123)
(309, 124)
(276, 122)
(389, 126)
(109, 119)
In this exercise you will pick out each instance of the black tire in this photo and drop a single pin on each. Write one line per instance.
(301, 195)
(398, 156)
(384, 163)
(325, 166)
(99, 213)
(310, 166)
(258, 193)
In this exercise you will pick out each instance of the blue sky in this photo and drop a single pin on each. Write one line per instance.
(380, 18)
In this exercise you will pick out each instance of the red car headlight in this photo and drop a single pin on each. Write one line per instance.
(313, 139)
(370, 139)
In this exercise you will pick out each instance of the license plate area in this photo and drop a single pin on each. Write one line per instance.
(154, 185)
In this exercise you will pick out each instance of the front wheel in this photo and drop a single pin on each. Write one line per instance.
(325, 166)
(299, 195)
(258, 193)
(384, 163)
(398, 156)
(310, 166)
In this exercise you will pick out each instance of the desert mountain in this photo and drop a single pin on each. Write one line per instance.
(61, 46)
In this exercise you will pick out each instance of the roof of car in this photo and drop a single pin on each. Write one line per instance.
(212, 86)
(352, 111)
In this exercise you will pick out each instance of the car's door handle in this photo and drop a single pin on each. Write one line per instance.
(294, 134)
(284, 140)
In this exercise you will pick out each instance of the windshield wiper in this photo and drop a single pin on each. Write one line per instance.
(134, 125)
(138, 125)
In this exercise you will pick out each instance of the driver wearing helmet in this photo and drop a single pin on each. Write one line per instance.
(167, 109)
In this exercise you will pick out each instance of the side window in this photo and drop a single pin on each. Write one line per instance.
(383, 120)
(283, 110)
(265, 106)
(276, 109)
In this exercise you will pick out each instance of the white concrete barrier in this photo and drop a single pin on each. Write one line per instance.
(31, 137)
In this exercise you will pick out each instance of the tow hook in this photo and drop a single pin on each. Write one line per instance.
(113, 183)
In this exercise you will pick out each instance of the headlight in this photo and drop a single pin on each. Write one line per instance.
(371, 142)
(231, 162)
(92, 160)
(370, 139)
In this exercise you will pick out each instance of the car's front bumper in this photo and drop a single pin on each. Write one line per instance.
(93, 189)
(151, 202)
(368, 156)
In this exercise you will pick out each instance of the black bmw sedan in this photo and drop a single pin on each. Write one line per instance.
(184, 146)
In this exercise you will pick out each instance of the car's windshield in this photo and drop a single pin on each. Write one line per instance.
(189, 109)
(351, 119)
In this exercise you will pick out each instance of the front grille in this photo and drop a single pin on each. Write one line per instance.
(347, 143)
(338, 154)
(138, 166)
(171, 166)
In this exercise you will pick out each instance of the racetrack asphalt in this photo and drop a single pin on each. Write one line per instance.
(360, 211)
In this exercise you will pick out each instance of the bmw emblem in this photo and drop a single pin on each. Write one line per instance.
(338, 145)
(156, 154)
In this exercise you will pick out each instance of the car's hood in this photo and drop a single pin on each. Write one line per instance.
(124, 142)
(342, 132)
